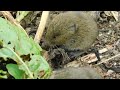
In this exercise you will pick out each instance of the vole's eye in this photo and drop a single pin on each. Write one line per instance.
(54, 37)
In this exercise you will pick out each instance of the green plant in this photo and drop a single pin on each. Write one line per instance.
(17, 46)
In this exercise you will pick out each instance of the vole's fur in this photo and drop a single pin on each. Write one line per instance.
(73, 30)
(76, 73)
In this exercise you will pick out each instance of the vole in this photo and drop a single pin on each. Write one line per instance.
(76, 73)
(73, 30)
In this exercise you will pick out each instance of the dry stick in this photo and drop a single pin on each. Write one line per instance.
(41, 27)
(8, 15)
(10, 18)
(108, 59)
(115, 15)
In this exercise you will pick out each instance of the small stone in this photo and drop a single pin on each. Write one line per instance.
(110, 72)
(115, 64)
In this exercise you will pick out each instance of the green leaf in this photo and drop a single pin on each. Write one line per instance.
(36, 65)
(16, 45)
(14, 70)
(3, 74)
(21, 14)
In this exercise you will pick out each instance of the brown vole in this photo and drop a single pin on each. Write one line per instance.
(76, 73)
(73, 30)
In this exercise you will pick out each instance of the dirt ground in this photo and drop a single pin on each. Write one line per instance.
(108, 41)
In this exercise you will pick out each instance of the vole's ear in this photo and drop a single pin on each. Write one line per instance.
(73, 27)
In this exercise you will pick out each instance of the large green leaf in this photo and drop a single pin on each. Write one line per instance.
(16, 45)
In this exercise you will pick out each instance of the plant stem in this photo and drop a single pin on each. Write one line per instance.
(30, 74)
(41, 27)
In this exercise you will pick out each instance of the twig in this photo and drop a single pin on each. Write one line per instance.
(103, 61)
(41, 27)
(8, 15)
(92, 57)
(115, 15)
